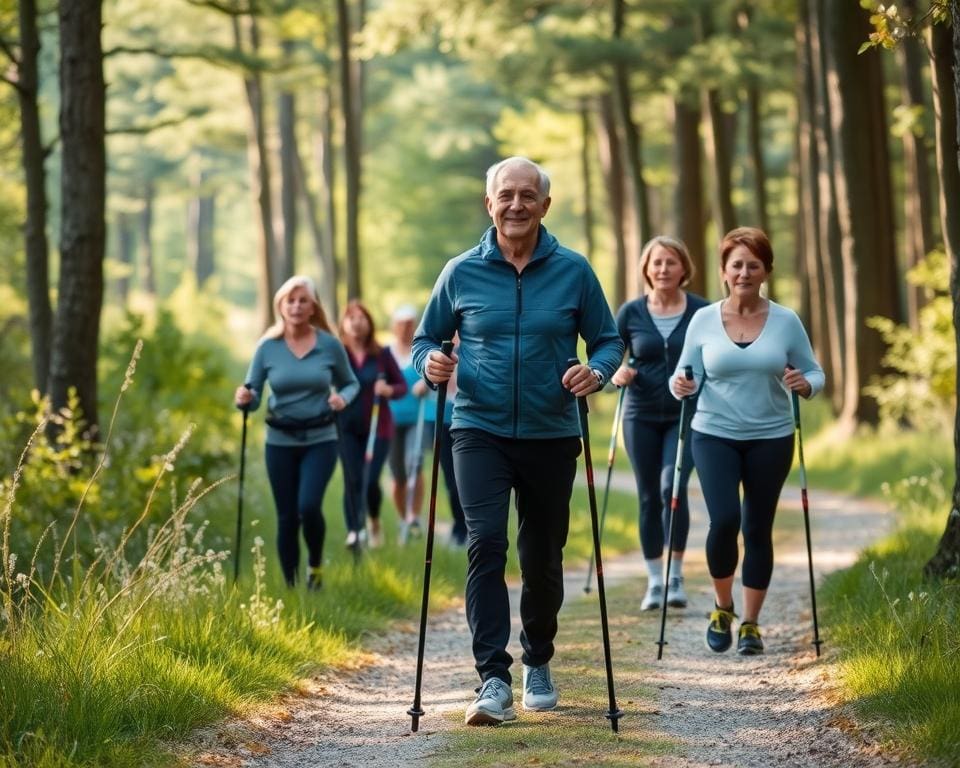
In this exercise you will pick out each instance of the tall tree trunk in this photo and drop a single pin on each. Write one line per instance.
(73, 360)
(688, 200)
(946, 560)
(808, 162)
(718, 146)
(632, 133)
(126, 253)
(148, 274)
(917, 198)
(200, 229)
(260, 168)
(351, 149)
(287, 119)
(324, 257)
(324, 149)
(828, 225)
(587, 187)
(35, 228)
(864, 201)
(611, 161)
(755, 142)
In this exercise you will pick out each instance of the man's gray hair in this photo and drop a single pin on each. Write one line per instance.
(494, 170)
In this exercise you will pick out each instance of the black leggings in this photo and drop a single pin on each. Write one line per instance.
(761, 466)
(298, 477)
(652, 449)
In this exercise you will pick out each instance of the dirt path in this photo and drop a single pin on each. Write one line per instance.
(774, 710)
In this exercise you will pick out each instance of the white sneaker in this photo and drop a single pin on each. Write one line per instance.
(493, 705)
(351, 539)
(676, 595)
(539, 692)
(653, 599)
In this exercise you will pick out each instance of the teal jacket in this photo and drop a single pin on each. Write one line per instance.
(517, 331)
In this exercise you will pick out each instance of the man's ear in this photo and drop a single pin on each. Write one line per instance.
(546, 204)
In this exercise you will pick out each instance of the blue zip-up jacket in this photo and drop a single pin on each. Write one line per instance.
(517, 330)
(648, 397)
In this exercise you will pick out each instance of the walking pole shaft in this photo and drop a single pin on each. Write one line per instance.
(817, 642)
(243, 464)
(611, 455)
(674, 505)
(614, 713)
(416, 711)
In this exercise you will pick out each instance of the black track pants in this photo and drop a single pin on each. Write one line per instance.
(541, 472)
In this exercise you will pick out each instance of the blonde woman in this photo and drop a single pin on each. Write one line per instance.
(310, 380)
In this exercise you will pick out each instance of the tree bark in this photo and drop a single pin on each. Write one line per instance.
(148, 275)
(287, 119)
(587, 187)
(126, 239)
(200, 230)
(946, 560)
(73, 361)
(755, 142)
(351, 149)
(260, 168)
(688, 196)
(36, 247)
(917, 198)
(632, 133)
(611, 161)
(864, 202)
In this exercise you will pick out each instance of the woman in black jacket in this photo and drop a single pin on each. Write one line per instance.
(653, 328)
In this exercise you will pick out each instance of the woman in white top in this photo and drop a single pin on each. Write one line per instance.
(747, 354)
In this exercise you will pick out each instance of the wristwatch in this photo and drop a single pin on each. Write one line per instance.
(600, 377)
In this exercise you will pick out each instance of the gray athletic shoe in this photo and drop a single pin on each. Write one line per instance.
(676, 595)
(653, 599)
(493, 705)
(539, 692)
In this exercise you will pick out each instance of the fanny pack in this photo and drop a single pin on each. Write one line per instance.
(298, 427)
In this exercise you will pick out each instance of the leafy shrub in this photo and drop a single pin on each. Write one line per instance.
(921, 392)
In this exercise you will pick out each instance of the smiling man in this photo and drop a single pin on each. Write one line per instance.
(520, 301)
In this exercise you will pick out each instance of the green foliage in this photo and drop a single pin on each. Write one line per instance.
(890, 26)
(897, 634)
(922, 391)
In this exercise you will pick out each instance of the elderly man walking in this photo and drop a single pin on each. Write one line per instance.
(519, 301)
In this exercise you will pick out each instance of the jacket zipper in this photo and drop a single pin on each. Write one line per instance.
(516, 360)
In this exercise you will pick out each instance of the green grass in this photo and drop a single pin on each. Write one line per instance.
(899, 651)
(104, 664)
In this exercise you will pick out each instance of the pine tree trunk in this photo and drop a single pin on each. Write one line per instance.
(73, 360)
(200, 230)
(36, 247)
(148, 275)
(611, 161)
(351, 150)
(946, 560)
(287, 117)
(586, 185)
(126, 239)
(688, 196)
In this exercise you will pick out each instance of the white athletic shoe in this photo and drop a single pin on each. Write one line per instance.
(493, 705)
(539, 692)
(653, 599)
(676, 595)
(351, 539)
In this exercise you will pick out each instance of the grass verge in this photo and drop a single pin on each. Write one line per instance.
(899, 648)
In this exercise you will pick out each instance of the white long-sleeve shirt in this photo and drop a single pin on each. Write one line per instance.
(742, 394)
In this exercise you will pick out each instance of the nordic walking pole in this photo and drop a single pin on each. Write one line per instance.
(413, 469)
(817, 642)
(243, 465)
(611, 455)
(416, 711)
(614, 713)
(674, 503)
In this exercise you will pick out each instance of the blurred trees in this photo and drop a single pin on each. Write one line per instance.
(250, 139)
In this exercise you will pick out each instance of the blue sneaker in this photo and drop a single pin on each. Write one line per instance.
(493, 705)
(539, 692)
(719, 635)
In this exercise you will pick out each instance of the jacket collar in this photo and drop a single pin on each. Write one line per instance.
(490, 251)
